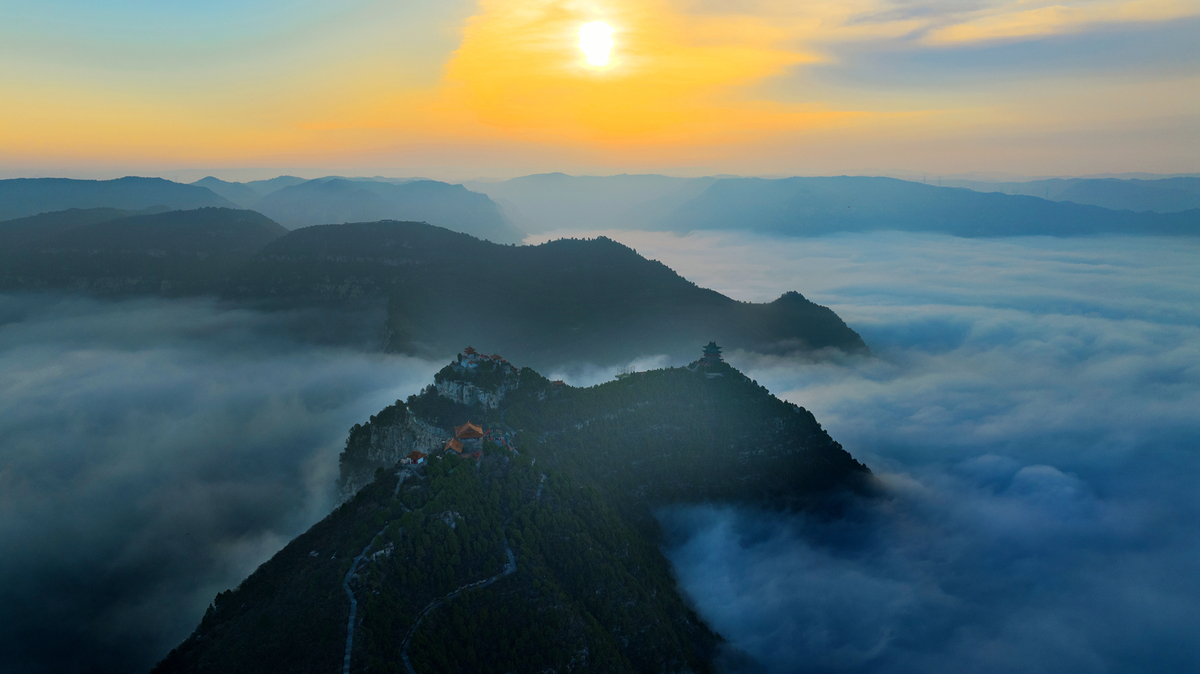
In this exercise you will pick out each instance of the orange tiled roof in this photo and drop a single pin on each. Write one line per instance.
(468, 431)
(469, 351)
(417, 455)
(453, 444)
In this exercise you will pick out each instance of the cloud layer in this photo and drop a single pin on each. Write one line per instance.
(153, 454)
(1031, 410)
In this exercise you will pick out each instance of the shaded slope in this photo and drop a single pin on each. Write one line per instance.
(171, 253)
(591, 301)
(814, 206)
(590, 592)
(22, 231)
(29, 196)
(542, 559)
(337, 200)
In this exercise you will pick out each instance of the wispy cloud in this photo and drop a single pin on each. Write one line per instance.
(152, 454)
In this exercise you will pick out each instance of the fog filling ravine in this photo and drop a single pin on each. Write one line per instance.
(1034, 427)
(152, 454)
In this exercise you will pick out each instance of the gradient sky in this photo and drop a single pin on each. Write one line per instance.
(449, 88)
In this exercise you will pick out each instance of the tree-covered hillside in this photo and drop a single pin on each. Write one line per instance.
(111, 252)
(582, 591)
(569, 300)
(674, 435)
(541, 555)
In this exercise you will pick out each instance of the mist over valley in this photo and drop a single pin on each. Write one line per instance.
(1030, 432)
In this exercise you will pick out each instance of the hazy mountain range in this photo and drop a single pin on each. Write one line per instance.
(812, 206)
(505, 212)
(1162, 195)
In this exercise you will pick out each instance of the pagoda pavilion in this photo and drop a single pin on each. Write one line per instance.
(712, 354)
(468, 435)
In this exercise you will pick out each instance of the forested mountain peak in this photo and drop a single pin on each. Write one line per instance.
(534, 548)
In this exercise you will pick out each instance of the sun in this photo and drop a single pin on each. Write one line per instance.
(596, 40)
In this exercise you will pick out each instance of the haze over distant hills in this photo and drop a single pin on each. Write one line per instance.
(810, 206)
(291, 201)
(337, 200)
(549, 201)
(814, 206)
(1163, 195)
(21, 197)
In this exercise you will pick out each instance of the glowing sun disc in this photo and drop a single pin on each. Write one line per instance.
(595, 40)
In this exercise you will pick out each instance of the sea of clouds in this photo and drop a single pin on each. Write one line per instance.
(1030, 406)
(1031, 409)
(152, 454)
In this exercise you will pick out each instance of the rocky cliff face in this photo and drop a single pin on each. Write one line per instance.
(466, 393)
(388, 437)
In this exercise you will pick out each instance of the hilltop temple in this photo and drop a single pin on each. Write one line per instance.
(712, 355)
(469, 436)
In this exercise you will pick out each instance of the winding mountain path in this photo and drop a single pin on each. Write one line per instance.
(509, 569)
(353, 601)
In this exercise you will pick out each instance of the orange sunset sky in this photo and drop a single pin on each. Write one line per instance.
(500, 87)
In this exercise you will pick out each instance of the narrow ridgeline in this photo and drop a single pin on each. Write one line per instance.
(503, 522)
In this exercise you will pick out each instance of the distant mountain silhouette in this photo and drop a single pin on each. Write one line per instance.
(1165, 195)
(21, 197)
(338, 200)
(813, 206)
(171, 253)
(247, 194)
(588, 301)
(239, 193)
(549, 201)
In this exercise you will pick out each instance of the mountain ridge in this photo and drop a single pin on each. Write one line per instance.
(521, 550)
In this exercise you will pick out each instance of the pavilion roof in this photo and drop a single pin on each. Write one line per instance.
(468, 431)
(454, 444)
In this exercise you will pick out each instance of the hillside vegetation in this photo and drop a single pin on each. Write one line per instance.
(109, 252)
(542, 558)
(570, 300)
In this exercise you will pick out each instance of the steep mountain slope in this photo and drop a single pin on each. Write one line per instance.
(337, 200)
(593, 301)
(170, 253)
(22, 197)
(813, 206)
(541, 558)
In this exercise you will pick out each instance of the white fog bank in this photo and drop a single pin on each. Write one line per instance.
(1030, 405)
